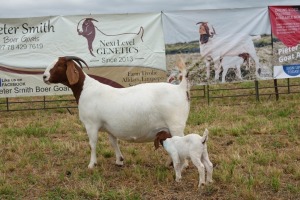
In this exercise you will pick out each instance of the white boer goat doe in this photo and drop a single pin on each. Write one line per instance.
(214, 47)
(191, 146)
(133, 114)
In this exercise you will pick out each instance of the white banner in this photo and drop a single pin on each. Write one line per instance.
(127, 49)
(220, 45)
(129, 45)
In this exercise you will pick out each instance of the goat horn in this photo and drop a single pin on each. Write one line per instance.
(77, 60)
(92, 19)
(200, 23)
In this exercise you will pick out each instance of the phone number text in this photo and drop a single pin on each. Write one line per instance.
(21, 46)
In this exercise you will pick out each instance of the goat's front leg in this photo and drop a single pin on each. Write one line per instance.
(114, 143)
(177, 166)
(207, 65)
(178, 131)
(217, 65)
(93, 137)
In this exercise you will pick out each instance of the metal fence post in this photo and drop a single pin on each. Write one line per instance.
(44, 102)
(289, 90)
(208, 94)
(256, 90)
(7, 104)
(276, 89)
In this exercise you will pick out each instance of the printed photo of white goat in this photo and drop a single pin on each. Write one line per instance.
(218, 48)
(232, 45)
(190, 146)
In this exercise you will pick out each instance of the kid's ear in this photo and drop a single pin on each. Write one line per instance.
(165, 135)
(72, 73)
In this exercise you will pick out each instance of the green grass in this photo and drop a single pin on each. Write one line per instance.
(254, 147)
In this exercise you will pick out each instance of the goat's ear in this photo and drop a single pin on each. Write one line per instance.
(72, 73)
(156, 142)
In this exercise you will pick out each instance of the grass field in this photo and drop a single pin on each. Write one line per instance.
(255, 149)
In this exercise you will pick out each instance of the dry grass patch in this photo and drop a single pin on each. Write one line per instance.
(254, 148)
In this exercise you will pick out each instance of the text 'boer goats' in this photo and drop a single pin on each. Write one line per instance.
(133, 114)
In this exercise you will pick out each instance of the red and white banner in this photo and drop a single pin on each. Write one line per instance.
(285, 22)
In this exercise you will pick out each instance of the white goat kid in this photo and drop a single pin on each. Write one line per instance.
(214, 47)
(191, 146)
(231, 62)
(133, 114)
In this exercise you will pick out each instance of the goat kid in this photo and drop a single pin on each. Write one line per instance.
(133, 114)
(191, 146)
(234, 62)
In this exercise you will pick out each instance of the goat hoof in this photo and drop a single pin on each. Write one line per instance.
(91, 165)
(201, 185)
(119, 163)
(169, 164)
(210, 181)
(178, 180)
(186, 165)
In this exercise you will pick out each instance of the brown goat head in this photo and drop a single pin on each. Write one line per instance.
(160, 137)
(64, 70)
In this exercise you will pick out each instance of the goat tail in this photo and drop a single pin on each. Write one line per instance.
(204, 137)
(184, 74)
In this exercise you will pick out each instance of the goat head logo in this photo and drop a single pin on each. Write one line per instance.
(88, 31)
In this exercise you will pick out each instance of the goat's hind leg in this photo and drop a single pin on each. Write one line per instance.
(257, 65)
(238, 72)
(207, 65)
(114, 143)
(197, 162)
(225, 69)
(208, 166)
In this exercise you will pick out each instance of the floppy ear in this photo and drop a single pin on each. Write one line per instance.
(156, 142)
(161, 135)
(72, 73)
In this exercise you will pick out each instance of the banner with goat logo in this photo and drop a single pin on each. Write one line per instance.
(121, 50)
(285, 22)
